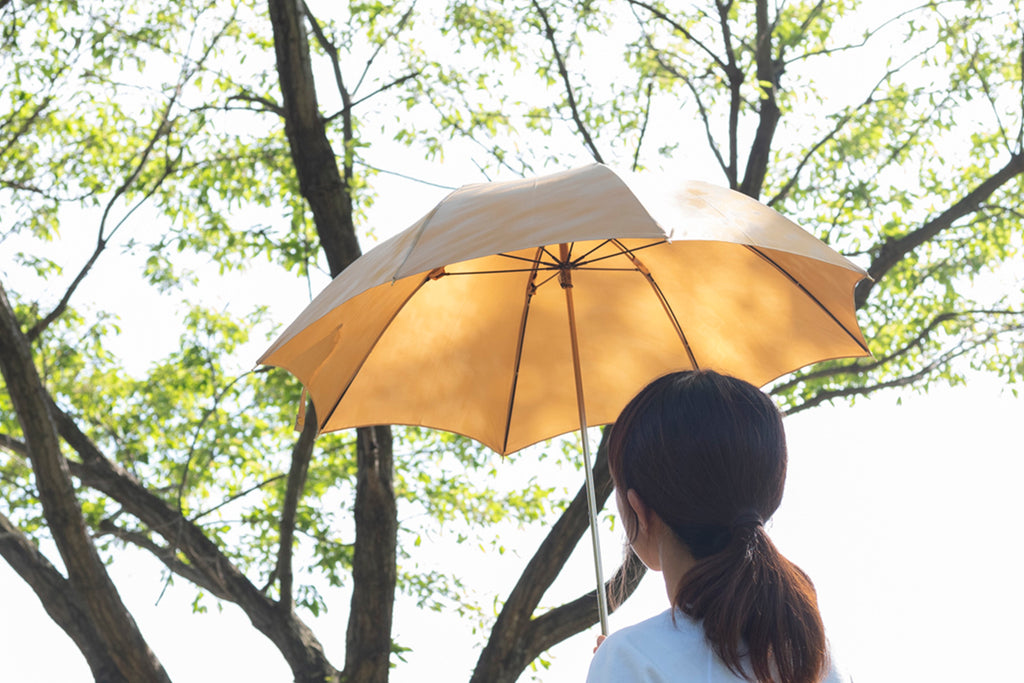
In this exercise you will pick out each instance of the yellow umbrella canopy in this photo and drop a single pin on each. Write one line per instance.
(460, 322)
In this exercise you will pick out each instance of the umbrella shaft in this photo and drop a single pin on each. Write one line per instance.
(588, 468)
(602, 597)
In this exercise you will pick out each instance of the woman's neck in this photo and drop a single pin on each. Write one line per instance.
(675, 560)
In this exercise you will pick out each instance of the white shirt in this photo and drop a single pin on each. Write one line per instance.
(660, 651)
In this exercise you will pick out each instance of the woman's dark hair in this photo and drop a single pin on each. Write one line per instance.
(707, 453)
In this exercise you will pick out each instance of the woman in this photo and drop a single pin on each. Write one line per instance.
(699, 462)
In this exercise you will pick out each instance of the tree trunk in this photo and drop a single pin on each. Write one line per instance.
(315, 166)
(368, 639)
(62, 604)
(769, 73)
(87, 576)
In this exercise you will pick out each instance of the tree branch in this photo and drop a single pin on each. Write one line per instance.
(581, 127)
(992, 100)
(1020, 127)
(851, 391)
(368, 640)
(266, 104)
(734, 77)
(162, 129)
(167, 555)
(868, 35)
(860, 367)
(391, 34)
(9, 443)
(319, 180)
(567, 620)
(374, 571)
(688, 82)
(196, 433)
(241, 494)
(26, 122)
(643, 126)
(387, 86)
(728, 167)
(332, 53)
(944, 359)
(842, 121)
(895, 249)
(512, 644)
(302, 453)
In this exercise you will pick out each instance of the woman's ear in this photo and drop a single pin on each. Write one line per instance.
(643, 512)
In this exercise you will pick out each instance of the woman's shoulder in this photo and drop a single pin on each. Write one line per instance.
(673, 625)
(657, 649)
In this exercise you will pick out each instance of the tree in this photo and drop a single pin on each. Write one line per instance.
(179, 123)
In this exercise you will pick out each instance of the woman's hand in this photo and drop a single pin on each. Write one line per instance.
(600, 639)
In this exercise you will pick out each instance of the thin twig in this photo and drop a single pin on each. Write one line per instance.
(734, 76)
(398, 81)
(196, 433)
(391, 34)
(332, 53)
(643, 126)
(265, 103)
(405, 176)
(240, 494)
(167, 555)
(681, 30)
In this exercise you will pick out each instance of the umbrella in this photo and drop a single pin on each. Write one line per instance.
(517, 311)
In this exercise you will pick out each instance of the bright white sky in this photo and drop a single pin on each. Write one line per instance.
(905, 516)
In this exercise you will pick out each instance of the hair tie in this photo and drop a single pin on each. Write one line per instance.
(748, 517)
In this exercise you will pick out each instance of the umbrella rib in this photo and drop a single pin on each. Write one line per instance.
(620, 245)
(643, 270)
(369, 350)
(419, 235)
(809, 295)
(580, 260)
(608, 270)
(522, 258)
(498, 272)
(531, 289)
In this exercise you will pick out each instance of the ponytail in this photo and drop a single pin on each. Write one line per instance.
(754, 602)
